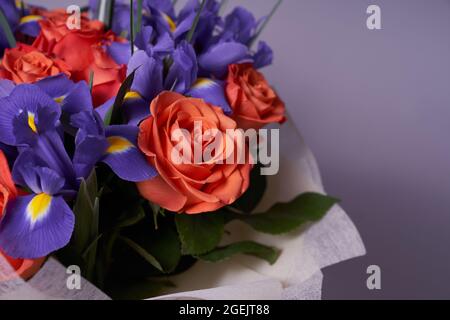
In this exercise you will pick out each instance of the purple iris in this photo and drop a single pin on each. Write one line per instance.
(37, 224)
(121, 20)
(116, 146)
(35, 120)
(71, 97)
(232, 43)
(166, 61)
(153, 74)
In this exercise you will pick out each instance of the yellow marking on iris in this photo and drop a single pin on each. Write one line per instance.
(203, 83)
(172, 24)
(131, 95)
(30, 18)
(39, 206)
(118, 145)
(32, 122)
(59, 100)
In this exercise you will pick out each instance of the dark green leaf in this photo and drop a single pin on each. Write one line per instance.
(131, 217)
(246, 247)
(113, 114)
(7, 30)
(142, 252)
(91, 248)
(85, 236)
(92, 186)
(200, 234)
(286, 217)
(162, 243)
(84, 211)
(165, 246)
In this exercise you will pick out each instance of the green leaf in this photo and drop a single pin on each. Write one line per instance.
(85, 213)
(92, 247)
(190, 35)
(113, 114)
(138, 19)
(286, 217)
(165, 246)
(92, 186)
(142, 252)
(266, 253)
(7, 30)
(131, 217)
(201, 233)
(86, 231)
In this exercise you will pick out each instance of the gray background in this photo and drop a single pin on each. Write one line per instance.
(375, 108)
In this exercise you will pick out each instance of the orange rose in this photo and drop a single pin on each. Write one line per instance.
(254, 103)
(189, 188)
(25, 64)
(24, 268)
(82, 49)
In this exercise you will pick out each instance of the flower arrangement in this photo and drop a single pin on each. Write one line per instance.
(115, 140)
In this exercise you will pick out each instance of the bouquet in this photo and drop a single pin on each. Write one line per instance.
(131, 135)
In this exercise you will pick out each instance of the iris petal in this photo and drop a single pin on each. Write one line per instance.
(148, 80)
(35, 226)
(212, 91)
(123, 156)
(221, 55)
(72, 98)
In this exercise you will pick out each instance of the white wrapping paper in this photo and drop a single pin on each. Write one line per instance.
(296, 275)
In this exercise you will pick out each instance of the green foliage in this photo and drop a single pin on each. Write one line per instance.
(86, 235)
(200, 233)
(142, 252)
(286, 217)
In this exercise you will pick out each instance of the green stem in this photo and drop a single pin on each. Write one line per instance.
(91, 80)
(138, 18)
(7, 30)
(265, 23)
(191, 33)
